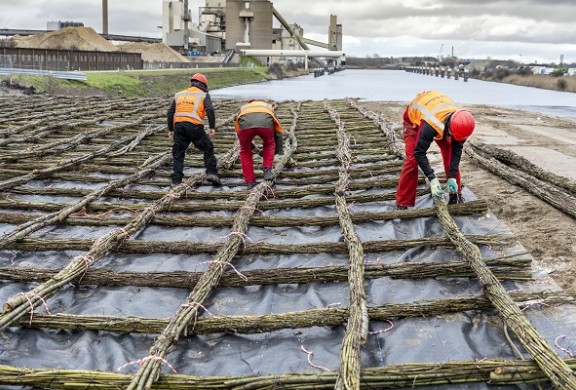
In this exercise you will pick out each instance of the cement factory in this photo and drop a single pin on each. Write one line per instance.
(241, 27)
(225, 31)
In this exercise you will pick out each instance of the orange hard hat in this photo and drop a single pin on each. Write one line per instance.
(200, 77)
(462, 125)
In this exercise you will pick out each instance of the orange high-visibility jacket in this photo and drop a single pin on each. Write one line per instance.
(257, 106)
(433, 107)
(190, 106)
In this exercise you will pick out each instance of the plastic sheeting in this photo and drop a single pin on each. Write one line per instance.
(469, 336)
(461, 336)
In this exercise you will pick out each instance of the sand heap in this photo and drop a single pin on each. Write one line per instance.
(151, 52)
(69, 38)
(85, 38)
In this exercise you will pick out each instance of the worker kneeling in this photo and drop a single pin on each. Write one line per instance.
(257, 118)
(433, 116)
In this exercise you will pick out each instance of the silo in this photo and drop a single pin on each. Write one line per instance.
(249, 22)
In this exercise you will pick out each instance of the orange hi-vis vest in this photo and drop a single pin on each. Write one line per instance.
(190, 106)
(261, 107)
(433, 107)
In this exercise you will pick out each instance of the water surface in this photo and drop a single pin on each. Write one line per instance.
(396, 85)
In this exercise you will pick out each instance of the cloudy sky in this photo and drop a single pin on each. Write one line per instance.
(522, 30)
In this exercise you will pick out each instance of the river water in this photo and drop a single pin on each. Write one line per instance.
(396, 85)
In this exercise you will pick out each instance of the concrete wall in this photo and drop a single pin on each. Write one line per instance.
(260, 31)
(172, 12)
(215, 3)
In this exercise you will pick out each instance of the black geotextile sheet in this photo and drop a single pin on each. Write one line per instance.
(463, 336)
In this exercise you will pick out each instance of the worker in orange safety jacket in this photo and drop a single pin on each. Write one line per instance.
(257, 118)
(186, 124)
(433, 116)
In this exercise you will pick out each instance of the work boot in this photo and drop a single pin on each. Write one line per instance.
(214, 179)
(175, 182)
(455, 199)
(269, 174)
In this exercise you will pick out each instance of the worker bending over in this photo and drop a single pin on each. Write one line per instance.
(433, 116)
(257, 118)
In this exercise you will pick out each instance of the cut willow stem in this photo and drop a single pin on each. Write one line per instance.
(249, 324)
(357, 325)
(18, 305)
(391, 376)
(173, 219)
(509, 158)
(262, 248)
(549, 193)
(75, 161)
(299, 192)
(150, 369)
(222, 205)
(516, 267)
(548, 360)
(31, 226)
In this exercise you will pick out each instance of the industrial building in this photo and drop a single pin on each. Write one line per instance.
(227, 29)
(239, 26)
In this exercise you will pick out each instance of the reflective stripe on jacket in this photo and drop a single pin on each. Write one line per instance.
(433, 107)
(264, 117)
(190, 106)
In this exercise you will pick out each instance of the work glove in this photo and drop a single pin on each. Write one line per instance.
(436, 189)
(452, 186)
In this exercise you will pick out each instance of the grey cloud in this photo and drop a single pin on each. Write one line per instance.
(386, 20)
(488, 21)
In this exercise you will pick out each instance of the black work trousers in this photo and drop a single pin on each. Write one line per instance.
(184, 134)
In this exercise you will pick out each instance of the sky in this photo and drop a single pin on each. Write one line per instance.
(527, 31)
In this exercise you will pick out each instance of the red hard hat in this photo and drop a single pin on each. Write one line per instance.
(461, 125)
(200, 77)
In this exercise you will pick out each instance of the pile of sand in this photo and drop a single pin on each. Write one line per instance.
(151, 52)
(85, 38)
(69, 38)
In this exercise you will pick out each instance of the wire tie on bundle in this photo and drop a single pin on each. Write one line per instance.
(242, 236)
(267, 188)
(121, 230)
(145, 359)
(197, 305)
(224, 264)
(188, 188)
(88, 260)
(32, 305)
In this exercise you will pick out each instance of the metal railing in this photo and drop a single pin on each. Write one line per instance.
(51, 73)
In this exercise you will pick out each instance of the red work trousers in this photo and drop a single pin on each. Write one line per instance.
(406, 191)
(245, 137)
